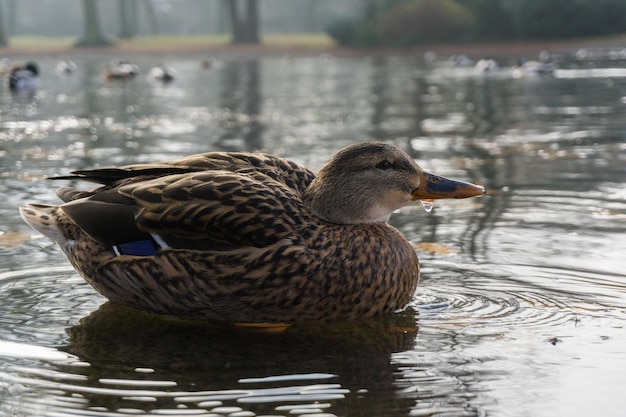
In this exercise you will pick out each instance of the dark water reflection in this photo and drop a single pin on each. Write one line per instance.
(243, 365)
(521, 307)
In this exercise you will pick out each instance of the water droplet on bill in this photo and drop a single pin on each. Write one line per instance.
(428, 205)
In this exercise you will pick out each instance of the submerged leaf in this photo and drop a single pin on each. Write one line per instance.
(435, 248)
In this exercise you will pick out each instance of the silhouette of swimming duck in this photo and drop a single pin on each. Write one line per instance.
(65, 68)
(24, 78)
(162, 73)
(247, 237)
(120, 69)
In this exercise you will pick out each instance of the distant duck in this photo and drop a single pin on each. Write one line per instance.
(544, 66)
(162, 73)
(119, 69)
(487, 65)
(461, 61)
(24, 78)
(212, 63)
(65, 68)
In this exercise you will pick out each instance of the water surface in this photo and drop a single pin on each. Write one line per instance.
(521, 306)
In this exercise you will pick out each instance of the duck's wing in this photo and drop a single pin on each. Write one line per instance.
(287, 172)
(198, 210)
(112, 178)
(236, 209)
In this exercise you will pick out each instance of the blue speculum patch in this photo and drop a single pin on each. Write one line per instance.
(137, 248)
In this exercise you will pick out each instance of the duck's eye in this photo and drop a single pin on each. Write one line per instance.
(384, 165)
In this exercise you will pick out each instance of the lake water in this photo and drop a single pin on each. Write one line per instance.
(521, 306)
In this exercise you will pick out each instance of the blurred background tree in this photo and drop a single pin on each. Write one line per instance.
(418, 22)
(360, 23)
(549, 19)
(128, 18)
(3, 37)
(408, 22)
(92, 35)
(244, 24)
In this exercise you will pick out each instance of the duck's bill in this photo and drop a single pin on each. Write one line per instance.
(434, 187)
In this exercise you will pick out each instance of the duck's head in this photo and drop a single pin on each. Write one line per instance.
(366, 182)
(32, 67)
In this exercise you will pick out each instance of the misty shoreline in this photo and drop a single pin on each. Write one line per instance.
(492, 49)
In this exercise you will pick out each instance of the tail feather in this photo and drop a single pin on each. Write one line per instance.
(68, 194)
(44, 218)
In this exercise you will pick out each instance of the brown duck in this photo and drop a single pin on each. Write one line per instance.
(247, 237)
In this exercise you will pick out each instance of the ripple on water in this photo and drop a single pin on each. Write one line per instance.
(41, 391)
(491, 297)
(39, 303)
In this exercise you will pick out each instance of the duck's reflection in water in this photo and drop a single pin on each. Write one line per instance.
(153, 362)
